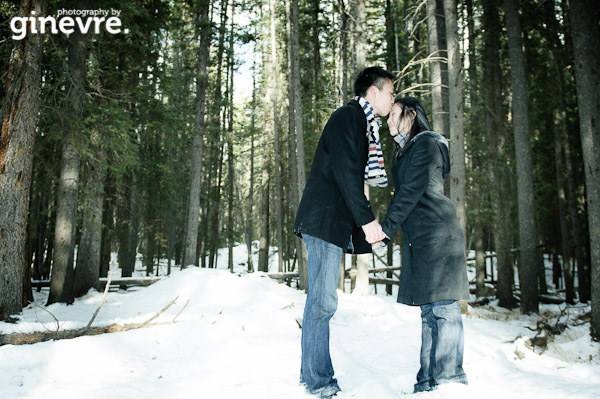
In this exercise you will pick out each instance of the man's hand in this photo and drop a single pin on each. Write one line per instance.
(373, 232)
(375, 245)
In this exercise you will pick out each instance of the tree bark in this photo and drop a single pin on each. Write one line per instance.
(479, 266)
(361, 286)
(497, 153)
(567, 257)
(343, 52)
(559, 129)
(456, 132)
(230, 164)
(584, 17)
(216, 209)
(61, 283)
(274, 92)
(528, 266)
(87, 271)
(252, 175)
(190, 254)
(17, 136)
(358, 35)
(297, 126)
(435, 67)
(264, 235)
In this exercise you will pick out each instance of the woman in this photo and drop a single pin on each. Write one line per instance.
(434, 274)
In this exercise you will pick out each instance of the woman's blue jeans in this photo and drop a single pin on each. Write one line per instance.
(442, 345)
(321, 303)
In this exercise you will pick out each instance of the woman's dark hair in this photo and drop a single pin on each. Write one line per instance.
(420, 123)
(372, 76)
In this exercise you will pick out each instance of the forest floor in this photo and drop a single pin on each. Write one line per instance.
(237, 336)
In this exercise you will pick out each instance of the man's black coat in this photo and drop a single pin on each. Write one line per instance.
(333, 206)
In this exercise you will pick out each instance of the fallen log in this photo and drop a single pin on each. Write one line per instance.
(283, 276)
(551, 299)
(138, 281)
(383, 281)
(43, 336)
(380, 269)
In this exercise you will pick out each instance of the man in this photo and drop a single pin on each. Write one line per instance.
(335, 216)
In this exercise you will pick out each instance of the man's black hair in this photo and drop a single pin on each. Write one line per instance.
(372, 76)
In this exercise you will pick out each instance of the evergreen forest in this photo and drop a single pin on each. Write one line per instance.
(195, 129)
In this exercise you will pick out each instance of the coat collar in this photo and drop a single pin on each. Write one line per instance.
(442, 144)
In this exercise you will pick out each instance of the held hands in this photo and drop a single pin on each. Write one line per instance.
(373, 232)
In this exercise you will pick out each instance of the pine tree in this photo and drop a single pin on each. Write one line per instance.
(584, 17)
(61, 283)
(19, 121)
(528, 275)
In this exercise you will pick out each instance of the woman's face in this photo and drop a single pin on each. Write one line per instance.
(394, 119)
(398, 123)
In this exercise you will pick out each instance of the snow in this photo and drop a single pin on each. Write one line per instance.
(237, 337)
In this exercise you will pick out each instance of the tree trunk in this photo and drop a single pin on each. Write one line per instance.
(559, 127)
(292, 53)
(190, 255)
(251, 194)
(107, 227)
(443, 46)
(361, 286)
(389, 35)
(230, 165)
(584, 17)
(582, 264)
(129, 241)
(567, 257)
(216, 210)
(497, 153)
(297, 128)
(571, 194)
(390, 263)
(41, 233)
(317, 85)
(456, 132)
(343, 52)
(87, 271)
(274, 92)
(172, 215)
(19, 121)
(217, 116)
(264, 236)
(358, 35)
(435, 67)
(61, 282)
(528, 266)
(479, 266)
(342, 279)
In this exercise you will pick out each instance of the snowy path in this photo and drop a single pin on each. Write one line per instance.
(238, 338)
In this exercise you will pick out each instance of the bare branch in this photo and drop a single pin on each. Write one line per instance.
(101, 303)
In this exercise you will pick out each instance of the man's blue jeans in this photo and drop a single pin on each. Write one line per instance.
(321, 303)
(442, 345)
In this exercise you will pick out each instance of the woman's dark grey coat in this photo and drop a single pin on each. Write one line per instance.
(433, 256)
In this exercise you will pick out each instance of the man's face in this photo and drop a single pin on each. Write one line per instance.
(382, 100)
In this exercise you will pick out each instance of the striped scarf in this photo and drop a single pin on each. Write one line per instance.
(374, 171)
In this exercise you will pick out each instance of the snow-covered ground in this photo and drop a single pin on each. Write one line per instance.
(238, 338)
